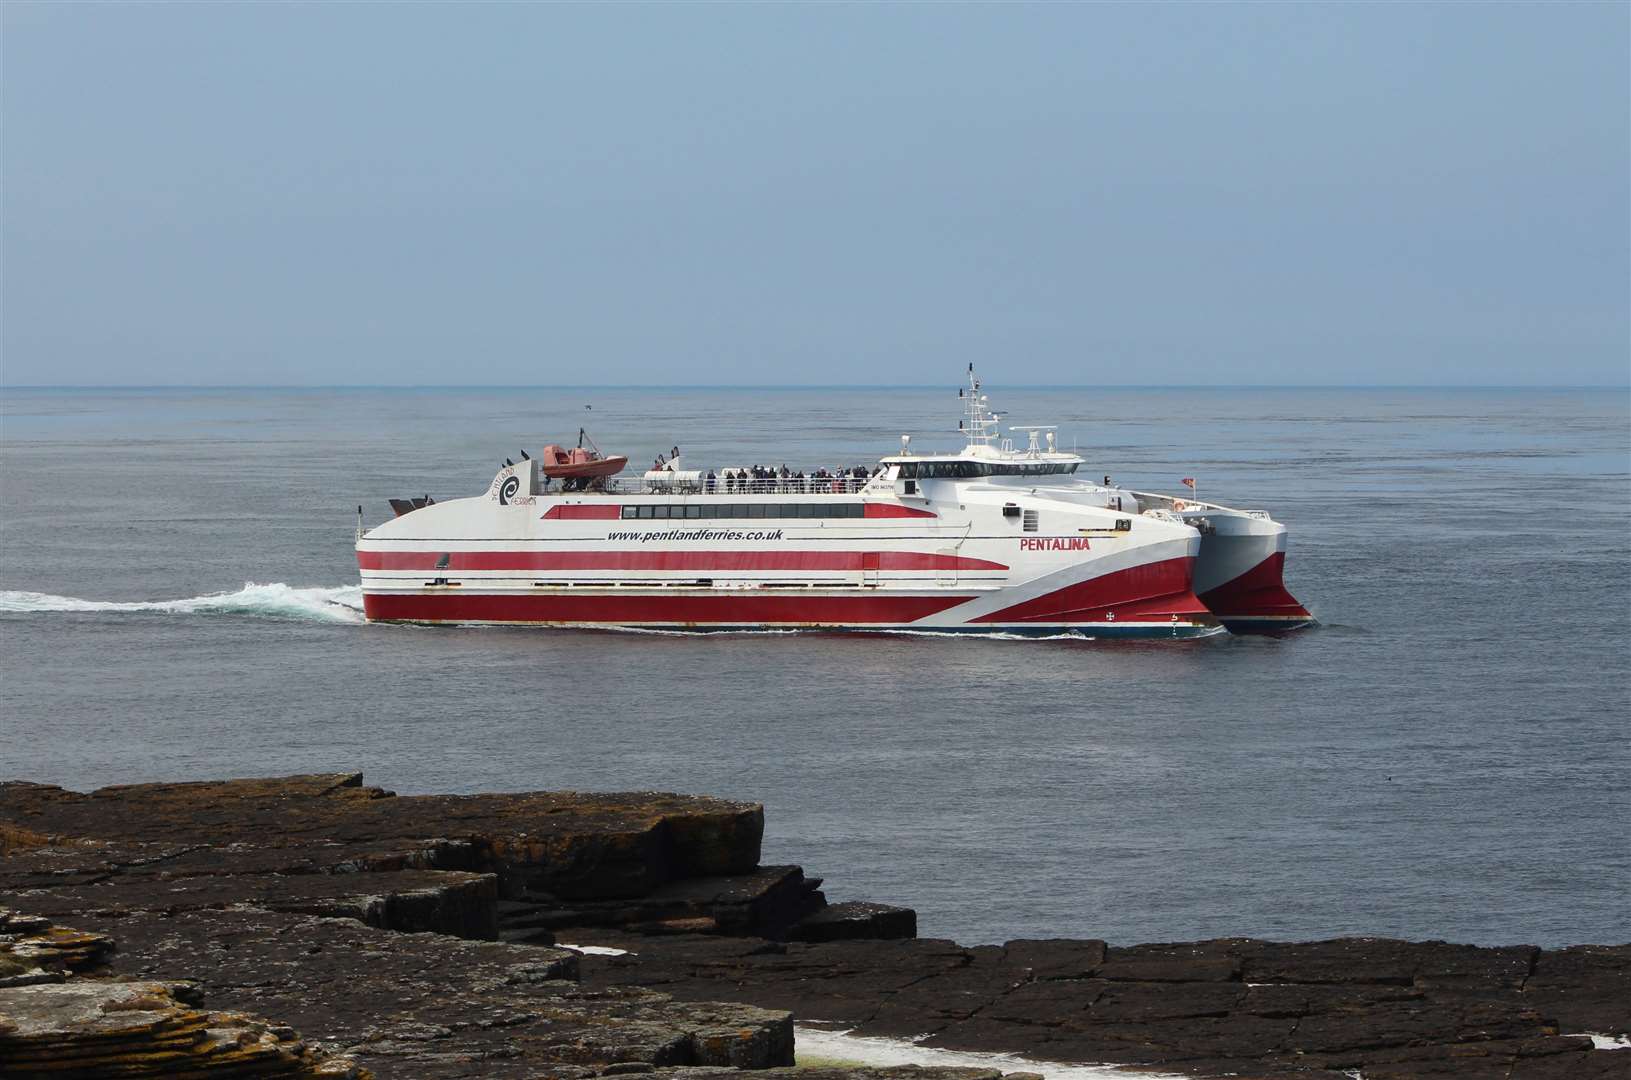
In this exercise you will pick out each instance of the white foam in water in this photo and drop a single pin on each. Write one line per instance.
(341, 604)
(841, 1045)
(594, 950)
(1606, 1042)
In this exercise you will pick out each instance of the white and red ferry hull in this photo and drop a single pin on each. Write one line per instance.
(895, 568)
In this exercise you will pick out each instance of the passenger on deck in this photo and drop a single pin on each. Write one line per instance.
(710, 481)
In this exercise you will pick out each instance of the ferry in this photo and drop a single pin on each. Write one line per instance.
(995, 538)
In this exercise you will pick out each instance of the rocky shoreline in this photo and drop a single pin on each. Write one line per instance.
(316, 926)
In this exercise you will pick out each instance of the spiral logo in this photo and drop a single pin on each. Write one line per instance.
(508, 490)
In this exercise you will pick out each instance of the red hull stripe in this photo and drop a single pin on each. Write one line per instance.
(668, 560)
(637, 610)
(584, 512)
(1258, 593)
(1156, 590)
(895, 510)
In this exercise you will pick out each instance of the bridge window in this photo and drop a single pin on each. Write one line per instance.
(964, 470)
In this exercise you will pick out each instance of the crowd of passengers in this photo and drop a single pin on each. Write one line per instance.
(762, 479)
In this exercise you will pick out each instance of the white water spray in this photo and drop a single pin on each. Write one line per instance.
(341, 604)
(815, 1042)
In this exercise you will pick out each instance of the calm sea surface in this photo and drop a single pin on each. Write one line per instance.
(1447, 756)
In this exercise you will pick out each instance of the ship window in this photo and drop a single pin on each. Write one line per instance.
(693, 511)
(647, 511)
(1031, 521)
(631, 511)
(757, 510)
(811, 510)
(854, 509)
(965, 470)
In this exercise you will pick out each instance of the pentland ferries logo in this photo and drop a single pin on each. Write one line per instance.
(506, 488)
(1053, 543)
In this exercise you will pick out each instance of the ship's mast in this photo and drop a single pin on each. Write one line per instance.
(979, 423)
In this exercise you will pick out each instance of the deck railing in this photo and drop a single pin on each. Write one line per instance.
(719, 485)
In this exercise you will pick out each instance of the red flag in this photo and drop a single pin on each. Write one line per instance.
(1189, 482)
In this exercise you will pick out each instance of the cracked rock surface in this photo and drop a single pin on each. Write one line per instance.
(1394, 1010)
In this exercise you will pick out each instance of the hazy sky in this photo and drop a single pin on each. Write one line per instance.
(816, 193)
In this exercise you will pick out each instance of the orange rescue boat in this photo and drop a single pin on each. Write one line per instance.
(580, 463)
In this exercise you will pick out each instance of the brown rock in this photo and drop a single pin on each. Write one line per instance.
(838, 922)
(1586, 987)
(1203, 961)
(564, 843)
(1056, 958)
(412, 901)
(142, 1029)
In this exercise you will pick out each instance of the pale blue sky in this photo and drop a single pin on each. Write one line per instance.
(816, 193)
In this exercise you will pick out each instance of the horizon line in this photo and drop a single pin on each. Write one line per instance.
(809, 386)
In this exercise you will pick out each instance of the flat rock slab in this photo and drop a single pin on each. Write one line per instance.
(1230, 1007)
(568, 844)
(853, 919)
(413, 901)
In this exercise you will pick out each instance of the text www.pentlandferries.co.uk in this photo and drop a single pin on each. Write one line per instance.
(696, 534)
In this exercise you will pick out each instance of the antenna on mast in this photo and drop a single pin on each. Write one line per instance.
(979, 423)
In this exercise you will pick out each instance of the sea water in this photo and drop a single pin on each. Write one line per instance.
(1445, 756)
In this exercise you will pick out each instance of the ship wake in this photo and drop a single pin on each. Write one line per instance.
(341, 604)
